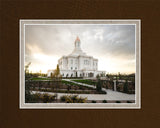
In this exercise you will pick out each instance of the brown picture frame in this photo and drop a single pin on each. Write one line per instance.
(13, 11)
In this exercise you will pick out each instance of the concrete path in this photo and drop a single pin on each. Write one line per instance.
(111, 95)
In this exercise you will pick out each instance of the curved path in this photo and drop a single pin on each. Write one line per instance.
(92, 86)
(110, 94)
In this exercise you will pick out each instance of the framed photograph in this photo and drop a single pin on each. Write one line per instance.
(80, 64)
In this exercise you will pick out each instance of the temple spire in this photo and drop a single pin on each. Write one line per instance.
(77, 43)
(77, 39)
(77, 49)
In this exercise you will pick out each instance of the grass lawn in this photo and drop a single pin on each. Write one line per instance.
(90, 82)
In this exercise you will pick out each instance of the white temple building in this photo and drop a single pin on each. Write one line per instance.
(78, 64)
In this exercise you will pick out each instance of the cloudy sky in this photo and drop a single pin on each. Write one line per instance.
(112, 45)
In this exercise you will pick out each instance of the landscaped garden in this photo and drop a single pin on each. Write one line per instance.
(39, 98)
(61, 87)
(38, 88)
(46, 98)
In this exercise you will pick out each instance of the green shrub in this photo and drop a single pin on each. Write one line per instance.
(73, 99)
(82, 100)
(68, 99)
(99, 86)
(104, 101)
(125, 87)
(93, 101)
(45, 98)
(63, 98)
(32, 98)
(52, 98)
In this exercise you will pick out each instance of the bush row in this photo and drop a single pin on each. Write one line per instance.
(37, 97)
(73, 99)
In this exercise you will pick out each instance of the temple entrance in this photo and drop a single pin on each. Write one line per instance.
(90, 74)
(76, 74)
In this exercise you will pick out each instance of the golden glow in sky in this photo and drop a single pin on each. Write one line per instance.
(47, 62)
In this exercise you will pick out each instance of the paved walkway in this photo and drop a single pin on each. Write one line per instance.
(111, 95)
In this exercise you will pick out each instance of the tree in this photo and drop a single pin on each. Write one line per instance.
(120, 77)
(107, 75)
(125, 87)
(56, 79)
(99, 86)
(97, 76)
(51, 74)
(57, 72)
(27, 67)
(40, 73)
(27, 75)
